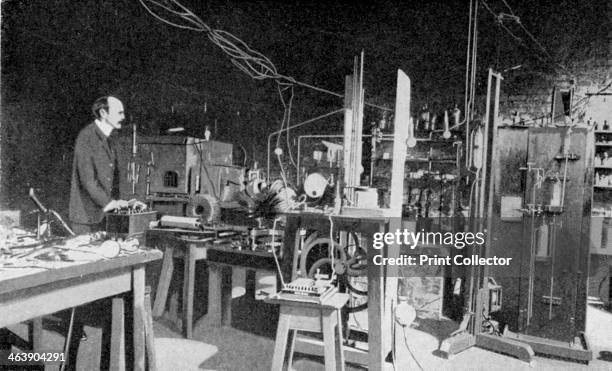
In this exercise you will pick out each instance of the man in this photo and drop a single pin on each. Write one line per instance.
(94, 187)
(94, 191)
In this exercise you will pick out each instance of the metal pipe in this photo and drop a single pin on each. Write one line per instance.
(278, 132)
(552, 265)
(485, 151)
(299, 145)
(68, 339)
(66, 227)
(385, 137)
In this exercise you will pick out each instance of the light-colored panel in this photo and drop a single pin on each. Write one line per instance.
(41, 302)
(402, 118)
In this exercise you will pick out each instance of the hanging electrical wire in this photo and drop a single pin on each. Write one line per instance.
(500, 21)
(253, 63)
(286, 121)
(250, 61)
(518, 20)
(467, 61)
(470, 75)
(289, 106)
(509, 8)
(500, 17)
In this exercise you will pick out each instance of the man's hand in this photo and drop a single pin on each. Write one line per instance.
(116, 205)
(137, 205)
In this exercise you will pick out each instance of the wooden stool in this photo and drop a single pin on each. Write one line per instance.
(323, 318)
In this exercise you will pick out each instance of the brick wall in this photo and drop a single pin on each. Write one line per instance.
(527, 94)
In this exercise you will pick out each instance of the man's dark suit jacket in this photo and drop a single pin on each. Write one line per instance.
(94, 183)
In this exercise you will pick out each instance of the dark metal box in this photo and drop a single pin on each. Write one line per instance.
(129, 224)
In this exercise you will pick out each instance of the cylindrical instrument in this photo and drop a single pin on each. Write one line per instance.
(411, 141)
(542, 241)
(180, 222)
(447, 133)
(205, 207)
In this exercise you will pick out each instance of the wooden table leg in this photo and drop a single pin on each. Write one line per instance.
(339, 341)
(329, 344)
(149, 335)
(215, 282)
(188, 287)
(163, 286)
(36, 334)
(117, 354)
(226, 295)
(138, 289)
(292, 336)
(376, 301)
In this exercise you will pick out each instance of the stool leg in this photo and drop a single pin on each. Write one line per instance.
(329, 345)
(292, 336)
(280, 344)
(339, 346)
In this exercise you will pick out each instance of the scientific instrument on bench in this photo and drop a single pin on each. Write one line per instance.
(307, 290)
(44, 215)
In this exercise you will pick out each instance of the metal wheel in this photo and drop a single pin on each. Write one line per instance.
(318, 248)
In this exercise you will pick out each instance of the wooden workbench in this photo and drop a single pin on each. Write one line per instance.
(32, 293)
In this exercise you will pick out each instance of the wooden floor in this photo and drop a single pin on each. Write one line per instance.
(249, 344)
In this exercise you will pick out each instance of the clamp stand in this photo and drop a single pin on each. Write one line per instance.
(47, 212)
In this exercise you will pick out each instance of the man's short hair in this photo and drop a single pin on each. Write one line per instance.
(100, 104)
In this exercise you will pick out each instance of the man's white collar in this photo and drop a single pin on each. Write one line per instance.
(105, 127)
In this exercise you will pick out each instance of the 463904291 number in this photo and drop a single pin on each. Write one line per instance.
(9, 358)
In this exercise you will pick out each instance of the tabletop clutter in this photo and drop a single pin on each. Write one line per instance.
(20, 249)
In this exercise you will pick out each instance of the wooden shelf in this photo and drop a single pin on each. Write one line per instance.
(604, 187)
(603, 144)
(603, 167)
(603, 131)
(567, 157)
(432, 160)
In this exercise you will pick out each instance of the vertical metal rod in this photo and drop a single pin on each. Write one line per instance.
(552, 265)
(68, 339)
(38, 234)
(467, 87)
(298, 162)
(566, 154)
(531, 265)
(483, 176)
(532, 246)
(372, 160)
(474, 68)
(278, 132)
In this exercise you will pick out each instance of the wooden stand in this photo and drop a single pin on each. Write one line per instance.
(221, 263)
(220, 292)
(190, 252)
(322, 318)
